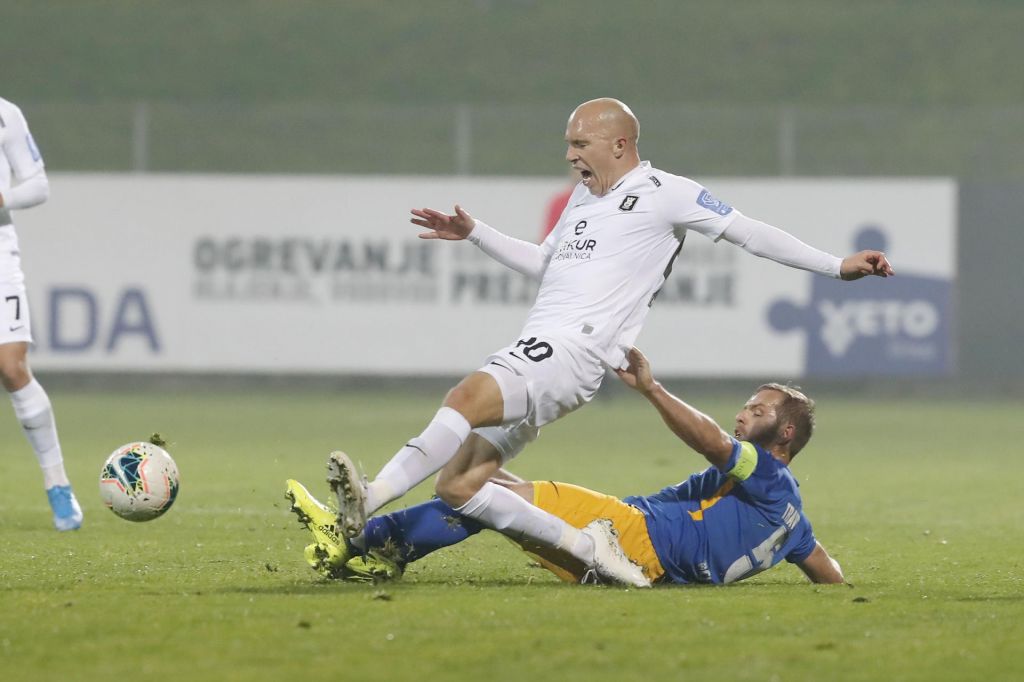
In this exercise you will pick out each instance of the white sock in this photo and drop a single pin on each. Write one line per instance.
(34, 412)
(499, 508)
(421, 457)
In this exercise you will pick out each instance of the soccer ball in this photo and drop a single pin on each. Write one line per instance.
(139, 481)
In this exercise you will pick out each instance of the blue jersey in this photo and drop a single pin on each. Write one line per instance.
(720, 527)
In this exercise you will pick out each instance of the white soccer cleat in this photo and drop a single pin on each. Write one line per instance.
(349, 486)
(610, 561)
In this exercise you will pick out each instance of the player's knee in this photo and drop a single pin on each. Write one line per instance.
(523, 489)
(455, 490)
(14, 373)
(460, 397)
(478, 399)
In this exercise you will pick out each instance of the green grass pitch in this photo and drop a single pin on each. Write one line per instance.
(920, 501)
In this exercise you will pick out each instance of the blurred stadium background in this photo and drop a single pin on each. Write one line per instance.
(482, 88)
(222, 117)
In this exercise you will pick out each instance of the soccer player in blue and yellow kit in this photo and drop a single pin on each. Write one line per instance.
(738, 517)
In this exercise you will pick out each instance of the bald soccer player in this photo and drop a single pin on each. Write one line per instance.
(740, 516)
(599, 272)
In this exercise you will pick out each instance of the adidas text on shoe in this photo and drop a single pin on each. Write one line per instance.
(313, 515)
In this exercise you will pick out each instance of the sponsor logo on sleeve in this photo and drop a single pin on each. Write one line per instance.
(33, 149)
(705, 200)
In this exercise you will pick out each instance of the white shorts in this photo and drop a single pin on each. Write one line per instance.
(15, 324)
(509, 440)
(560, 375)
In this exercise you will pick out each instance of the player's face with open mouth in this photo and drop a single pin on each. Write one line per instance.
(589, 154)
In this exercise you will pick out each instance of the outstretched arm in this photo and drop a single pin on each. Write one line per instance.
(821, 568)
(521, 256)
(695, 428)
(761, 239)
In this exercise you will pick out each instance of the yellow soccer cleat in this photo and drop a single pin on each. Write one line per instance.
(372, 567)
(329, 551)
(327, 560)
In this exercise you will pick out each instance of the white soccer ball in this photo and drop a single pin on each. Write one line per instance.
(139, 481)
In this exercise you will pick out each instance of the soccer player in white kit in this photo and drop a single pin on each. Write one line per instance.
(23, 184)
(600, 270)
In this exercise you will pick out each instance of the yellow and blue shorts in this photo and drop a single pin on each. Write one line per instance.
(579, 506)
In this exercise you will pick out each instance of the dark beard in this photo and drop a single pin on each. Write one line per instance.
(764, 437)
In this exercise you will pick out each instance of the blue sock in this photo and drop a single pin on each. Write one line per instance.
(415, 532)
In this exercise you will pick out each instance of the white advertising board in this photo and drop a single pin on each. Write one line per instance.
(313, 274)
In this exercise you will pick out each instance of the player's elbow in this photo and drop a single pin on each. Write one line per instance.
(43, 193)
(832, 575)
(34, 191)
(831, 579)
(837, 572)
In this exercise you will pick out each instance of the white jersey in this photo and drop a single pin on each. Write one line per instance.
(22, 184)
(608, 257)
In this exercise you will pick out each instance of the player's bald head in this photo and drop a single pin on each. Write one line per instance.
(607, 116)
(601, 143)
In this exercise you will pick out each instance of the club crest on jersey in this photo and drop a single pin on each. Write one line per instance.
(628, 203)
(705, 200)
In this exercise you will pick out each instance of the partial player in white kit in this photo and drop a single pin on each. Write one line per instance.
(599, 270)
(23, 184)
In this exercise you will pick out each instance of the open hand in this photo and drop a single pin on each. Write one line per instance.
(443, 226)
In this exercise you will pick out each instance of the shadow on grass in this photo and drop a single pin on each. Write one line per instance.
(992, 597)
(426, 582)
(342, 586)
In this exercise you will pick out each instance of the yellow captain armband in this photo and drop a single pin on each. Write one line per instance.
(746, 462)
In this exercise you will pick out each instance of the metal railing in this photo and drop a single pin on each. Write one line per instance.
(310, 137)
